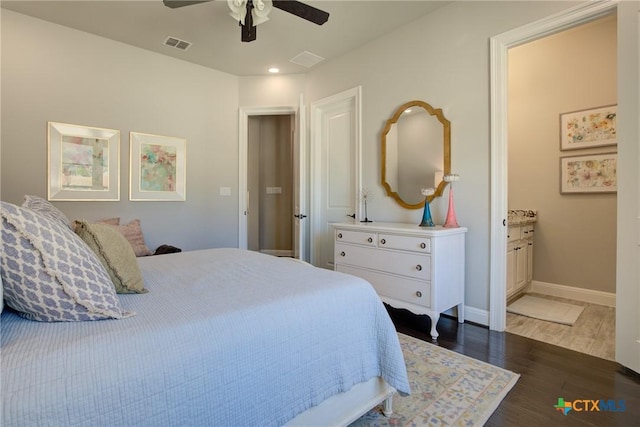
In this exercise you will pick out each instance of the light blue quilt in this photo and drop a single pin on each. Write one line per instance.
(225, 337)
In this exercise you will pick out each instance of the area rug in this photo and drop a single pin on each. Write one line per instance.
(545, 309)
(447, 389)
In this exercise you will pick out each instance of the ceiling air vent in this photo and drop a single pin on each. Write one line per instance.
(177, 43)
(306, 59)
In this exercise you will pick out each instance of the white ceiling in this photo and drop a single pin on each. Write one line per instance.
(216, 36)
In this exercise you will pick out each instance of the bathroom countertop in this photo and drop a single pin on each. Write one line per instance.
(522, 216)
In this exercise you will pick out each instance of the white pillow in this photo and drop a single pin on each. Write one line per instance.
(44, 207)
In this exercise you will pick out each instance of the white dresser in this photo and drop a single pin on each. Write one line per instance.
(417, 268)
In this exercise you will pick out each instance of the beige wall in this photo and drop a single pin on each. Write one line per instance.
(53, 73)
(272, 91)
(575, 237)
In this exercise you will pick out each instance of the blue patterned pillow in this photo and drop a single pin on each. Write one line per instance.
(49, 273)
(44, 207)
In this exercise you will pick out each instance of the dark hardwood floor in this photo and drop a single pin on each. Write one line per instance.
(547, 372)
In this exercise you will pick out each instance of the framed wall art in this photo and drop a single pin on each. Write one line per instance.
(591, 173)
(588, 128)
(83, 163)
(158, 168)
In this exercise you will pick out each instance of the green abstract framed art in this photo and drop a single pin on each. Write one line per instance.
(158, 168)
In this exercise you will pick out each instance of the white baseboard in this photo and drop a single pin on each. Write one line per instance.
(277, 252)
(472, 314)
(579, 294)
(476, 315)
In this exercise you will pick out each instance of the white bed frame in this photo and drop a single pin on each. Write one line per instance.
(344, 408)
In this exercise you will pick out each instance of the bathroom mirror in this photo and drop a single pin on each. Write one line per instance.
(416, 153)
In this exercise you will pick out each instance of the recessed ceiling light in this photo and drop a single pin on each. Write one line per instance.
(274, 70)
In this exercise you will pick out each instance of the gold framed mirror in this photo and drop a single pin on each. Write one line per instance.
(416, 153)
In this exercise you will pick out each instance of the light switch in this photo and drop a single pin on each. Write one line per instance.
(225, 191)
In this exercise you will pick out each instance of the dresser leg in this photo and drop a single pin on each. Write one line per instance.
(434, 322)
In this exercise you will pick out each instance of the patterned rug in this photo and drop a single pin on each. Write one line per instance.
(447, 389)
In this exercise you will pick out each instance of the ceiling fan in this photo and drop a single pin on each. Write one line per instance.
(250, 13)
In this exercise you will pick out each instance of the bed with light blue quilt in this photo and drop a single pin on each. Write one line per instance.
(224, 337)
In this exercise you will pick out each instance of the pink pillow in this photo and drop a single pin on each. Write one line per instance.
(133, 233)
(110, 221)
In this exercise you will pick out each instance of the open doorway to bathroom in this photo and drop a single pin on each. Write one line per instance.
(573, 252)
(270, 184)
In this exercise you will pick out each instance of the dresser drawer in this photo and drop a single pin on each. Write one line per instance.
(405, 243)
(399, 288)
(407, 264)
(357, 237)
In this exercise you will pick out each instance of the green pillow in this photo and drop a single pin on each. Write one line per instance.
(115, 253)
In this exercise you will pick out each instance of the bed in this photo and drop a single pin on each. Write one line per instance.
(223, 337)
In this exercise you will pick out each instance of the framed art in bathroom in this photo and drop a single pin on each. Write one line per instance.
(591, 173)
(595, 127)
(158, 168)
(83, 163)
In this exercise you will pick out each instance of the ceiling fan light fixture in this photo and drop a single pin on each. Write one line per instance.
(261, 10)
(238, 9)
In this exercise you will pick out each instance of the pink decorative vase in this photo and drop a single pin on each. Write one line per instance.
(451, 221)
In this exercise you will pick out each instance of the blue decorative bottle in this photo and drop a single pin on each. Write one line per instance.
(427, 221)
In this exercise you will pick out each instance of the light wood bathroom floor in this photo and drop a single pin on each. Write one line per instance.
(593, 333)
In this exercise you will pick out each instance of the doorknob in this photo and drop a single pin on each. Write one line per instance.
(300, 216)
(353, 215)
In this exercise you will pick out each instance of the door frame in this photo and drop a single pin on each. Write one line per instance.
(499, 46)
(243, 153)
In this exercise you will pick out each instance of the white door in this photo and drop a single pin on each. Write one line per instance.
(299, 183)
(335, 165)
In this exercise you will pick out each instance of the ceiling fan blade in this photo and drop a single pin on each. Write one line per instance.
(302, 10)
(180, 3)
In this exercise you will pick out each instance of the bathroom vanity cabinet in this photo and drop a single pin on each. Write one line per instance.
(519, 258)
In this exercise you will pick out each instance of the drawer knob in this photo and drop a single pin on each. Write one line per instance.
(339, 235)
(370, 240)
(419, 267)
(423, 245)
(383, 241)
(419, 294)
(342, 253)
